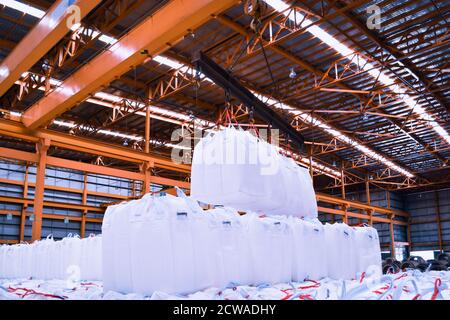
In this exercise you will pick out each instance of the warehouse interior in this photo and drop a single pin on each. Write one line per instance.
(87, 113)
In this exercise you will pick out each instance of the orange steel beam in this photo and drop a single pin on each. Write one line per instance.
(154, 35)
(49, 30)
(90, 168)
(90, 146)
(38, 204)
(52, 216)
(52, 204)
(359, 205)
(58, 188)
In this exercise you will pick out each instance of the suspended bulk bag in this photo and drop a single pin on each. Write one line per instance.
(258, 177)
(286, 178)
(308, 199)
(235, 249)
(271, 180)
(206, 173)
(152, 266)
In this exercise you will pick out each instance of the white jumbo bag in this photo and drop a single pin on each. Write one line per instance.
(96, 262)
(234, 168)
(286, 178)
(368, 253)
(375, 250)
(2, 260)
(308, 199)
(271, 250)
(54, 256)
(206, 173)
(180, 222)
(316, 251)
(208, 259)
(227, 230)
(151, 249)
(234, 246)
(341, 248)
(122, 247)
(71, 256)
(335, 259)
(28, 265)
(90, 261)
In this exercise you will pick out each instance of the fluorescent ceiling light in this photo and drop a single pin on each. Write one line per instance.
(360, 61)
(307, 118)
(19, 6)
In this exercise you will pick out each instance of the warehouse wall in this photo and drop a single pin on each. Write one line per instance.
(423, 207)
(9, 229)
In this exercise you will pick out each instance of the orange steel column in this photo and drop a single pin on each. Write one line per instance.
(391, 231)
(147, 130)
(367, 190)
(42, 147)
(438, 220)
(49, 30)
(151, 37)
(23, 214)
(146, 170)
(391, 225)
(84, 213)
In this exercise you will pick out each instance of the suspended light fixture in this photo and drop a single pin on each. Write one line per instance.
(292, 74)
(125, 143)
(66, 220)
(9, 216)
(31, 217)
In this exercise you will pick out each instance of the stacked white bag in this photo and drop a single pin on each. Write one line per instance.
(310, 250)
(368, 248)
(271, 241)
(236, 169)
(49, 259)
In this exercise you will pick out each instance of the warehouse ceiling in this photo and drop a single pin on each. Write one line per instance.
(371, 103)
